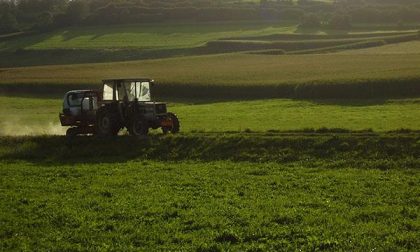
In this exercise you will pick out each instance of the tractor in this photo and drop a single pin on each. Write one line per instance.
(122, 103)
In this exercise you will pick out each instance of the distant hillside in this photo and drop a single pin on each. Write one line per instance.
(95, 44)
(44, 15)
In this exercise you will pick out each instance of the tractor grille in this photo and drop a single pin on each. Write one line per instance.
(160, 108)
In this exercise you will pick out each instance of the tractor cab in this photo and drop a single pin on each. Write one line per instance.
(127, 90)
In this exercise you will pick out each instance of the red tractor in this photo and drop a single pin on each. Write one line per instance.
(122, 103)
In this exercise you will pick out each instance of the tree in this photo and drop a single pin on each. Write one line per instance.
(302, 2)
(39, 6)
(77, 11)
(340, 21)
(310, 21)
(263, 3)
(8, 23)
(44, 22)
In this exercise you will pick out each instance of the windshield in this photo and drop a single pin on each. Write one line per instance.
(139, 90)
(144, 94)
(128, 91)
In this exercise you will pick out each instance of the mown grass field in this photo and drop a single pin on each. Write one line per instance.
(40, 116)
(333, 196)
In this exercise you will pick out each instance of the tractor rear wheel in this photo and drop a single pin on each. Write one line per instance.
(175, 124)
(107, 124)
(138, 127)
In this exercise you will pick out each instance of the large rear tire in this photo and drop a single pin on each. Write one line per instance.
(138, 127)
(107, 124)
(175, 124)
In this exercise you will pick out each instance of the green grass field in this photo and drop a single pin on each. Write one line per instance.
(153, 36)
(110, 197)
(264, 161)
(141, 36)
(206, 207)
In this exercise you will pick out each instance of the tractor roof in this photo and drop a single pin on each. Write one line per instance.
(82, 91)
(128, 79)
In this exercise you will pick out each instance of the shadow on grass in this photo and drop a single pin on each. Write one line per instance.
(29, 57)
(376, 91)
(313, 34)
(52, 91)
(351, 102)
(59, 93)
(23, 40)
(249, 147)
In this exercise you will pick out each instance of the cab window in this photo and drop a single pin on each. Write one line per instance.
(90, 103)
(75, 99)
(108, 92)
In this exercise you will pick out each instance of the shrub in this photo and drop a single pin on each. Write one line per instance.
(340, 22)
(8, 23)
(291, 13)
(77, 11)
(310, 21)
(44, 22)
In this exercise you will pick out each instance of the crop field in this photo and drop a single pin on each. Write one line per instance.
(240, 76)
(400, 48)
(236, 69)
(290, 140)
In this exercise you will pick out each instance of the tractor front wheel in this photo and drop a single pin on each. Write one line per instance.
(175, 124)
(72, 132)
(138, 127)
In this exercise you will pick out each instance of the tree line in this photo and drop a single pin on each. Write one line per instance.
(44, 15)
